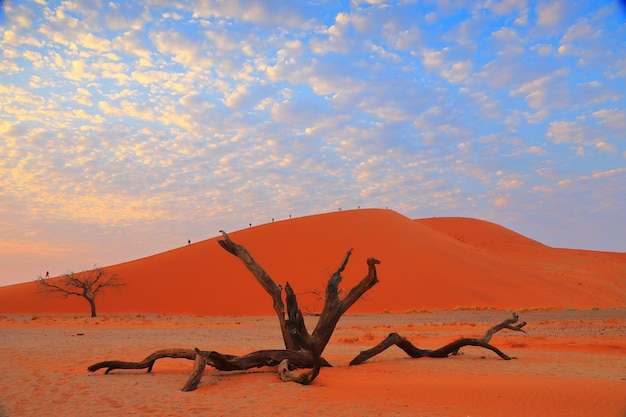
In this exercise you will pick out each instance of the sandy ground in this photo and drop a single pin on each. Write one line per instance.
(570, 363)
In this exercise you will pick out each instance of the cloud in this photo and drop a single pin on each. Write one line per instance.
(79, 70)
(131, 43)
(613, 118)
(196, 102)
(510, 183)
(150, 77)
(181, 48)
(140, 122)
(334, 38)
(299, 113)
(91, 41)
(505, 7)
(127, 16)
(551, 13)
(282, 12)
(550, 91)
(609, 173)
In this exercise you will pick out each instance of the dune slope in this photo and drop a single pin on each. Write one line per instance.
(439, 263)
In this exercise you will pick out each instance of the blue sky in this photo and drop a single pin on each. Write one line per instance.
(127, 128)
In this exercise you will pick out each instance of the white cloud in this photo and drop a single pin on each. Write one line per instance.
(127, 16)
(238, 97)
(131, 43)
(79, 71)
(91, 41)
(32, 56)
(250, 108)
(457, 71)
(433, 59)
(605, 146)
(195, 102)
(505, 7)
(541, 188)
(181, 48)
(335, 38)
(150, 77)
(613, 118)
(551, 13)
(282, 12)
(564, 131)
(550, 91)
(408, 39)
(609, 173)
(543, 49)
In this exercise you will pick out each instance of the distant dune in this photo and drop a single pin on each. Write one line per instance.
(437, 263)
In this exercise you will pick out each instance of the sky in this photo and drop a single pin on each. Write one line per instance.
(127, 128)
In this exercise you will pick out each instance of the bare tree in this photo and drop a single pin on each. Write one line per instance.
(86, 284)
(302, 349)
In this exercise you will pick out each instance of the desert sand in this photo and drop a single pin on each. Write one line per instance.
(440, 263)
(440, 279)
(570, 363)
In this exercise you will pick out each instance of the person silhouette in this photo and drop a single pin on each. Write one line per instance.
(47, 274)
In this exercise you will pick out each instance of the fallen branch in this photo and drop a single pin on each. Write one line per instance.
(217, 360)
(148, 362)
(196, 375)
(444, 351)
(506, 324)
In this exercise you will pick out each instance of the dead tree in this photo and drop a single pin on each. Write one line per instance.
(86, 284)
(302, 349)
(444, 351)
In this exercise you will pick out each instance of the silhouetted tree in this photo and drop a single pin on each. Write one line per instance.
(86, 284)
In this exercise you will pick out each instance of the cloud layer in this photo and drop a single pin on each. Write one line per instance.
(127, 128)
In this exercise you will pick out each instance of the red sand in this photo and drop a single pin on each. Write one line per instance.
(571, 362)
(439, 263)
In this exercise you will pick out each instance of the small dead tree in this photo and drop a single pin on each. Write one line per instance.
(87, 284)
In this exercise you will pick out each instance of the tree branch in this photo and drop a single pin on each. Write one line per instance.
(263, 278)
(334, 308)
(444, 351)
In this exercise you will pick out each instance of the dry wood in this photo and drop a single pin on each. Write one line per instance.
(444, 351)
(303, 350)
(506, 324)
(196, 374)
(148, 362)
(219, 361)
(304, 378)
(263, 278)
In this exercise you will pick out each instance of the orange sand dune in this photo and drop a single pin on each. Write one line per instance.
(440, 263)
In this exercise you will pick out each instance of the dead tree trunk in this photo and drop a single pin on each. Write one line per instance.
(303, 350)
(444, 351)
(217, 360)
(268, 284)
